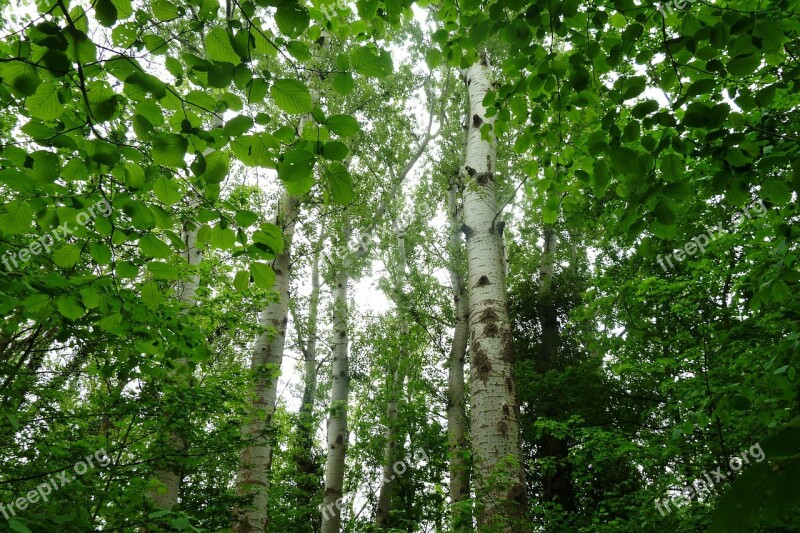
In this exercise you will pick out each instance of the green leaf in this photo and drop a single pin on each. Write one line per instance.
(70, 307)
(270, 236)
(90, 297)
(100, 253)
(291, 96)
(297, 176)
(776, 190)
(245, 218)
(67, 256)
(217, 166)
(148, 83)
(44, 103)
(152, 246)
(238, 125)
(242, 280)
(222, 238)
(341, 183)
(371, 62)
(263, 275)
(335, 151)
(22, 77)
(167, 191)
(343, 83)
(164, 10)
(671, 167)
(624, 160)
(105, 12)
(169, 149)
(18, 526)
(16, 217)
(342, 125)
(151, 295)
(292, 19)
(163, 270)
(219, 47)
(744, 66)
(665, 212)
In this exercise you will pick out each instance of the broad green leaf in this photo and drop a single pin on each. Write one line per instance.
(44, 103)
(152, 246)
(219, 47)
(21, 76)
(163, 270)
(270, 236)
(335, 151)
(341, 183)
(238, 125)
(169, 149)
(263, 275)
(291, 96)
(292, 19)
(70, 307)
(16, 217)
(343, 125)
(343, 83)
(222, 238)
(242, 280)
(167, 191)
(371, 62)
(217, 166)
(148, 83)
(151, 295)
(100, 253)
(105, 12)
(165, 10)
(67, 256)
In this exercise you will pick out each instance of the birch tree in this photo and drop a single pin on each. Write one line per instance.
(495, 430)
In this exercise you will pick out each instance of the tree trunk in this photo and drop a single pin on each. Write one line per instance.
(169, 477)
(456, 408)
(255, 459)
(494, 409)
(396, 381)
(307, 465)
(337, 421)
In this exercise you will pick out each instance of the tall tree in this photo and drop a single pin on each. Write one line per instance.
(495, 430)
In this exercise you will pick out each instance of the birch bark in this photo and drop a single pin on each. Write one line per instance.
(456, 401)
(255, 459)
(337, 421)
(493, 396)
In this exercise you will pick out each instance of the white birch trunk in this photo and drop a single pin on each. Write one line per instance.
(456, 401)
(337, 420)
(493, 397)
(255, 459)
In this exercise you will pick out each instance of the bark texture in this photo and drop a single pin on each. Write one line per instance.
(456, 400)
(307, 463)
(255, 459)
(495, 432)
(337, 420)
